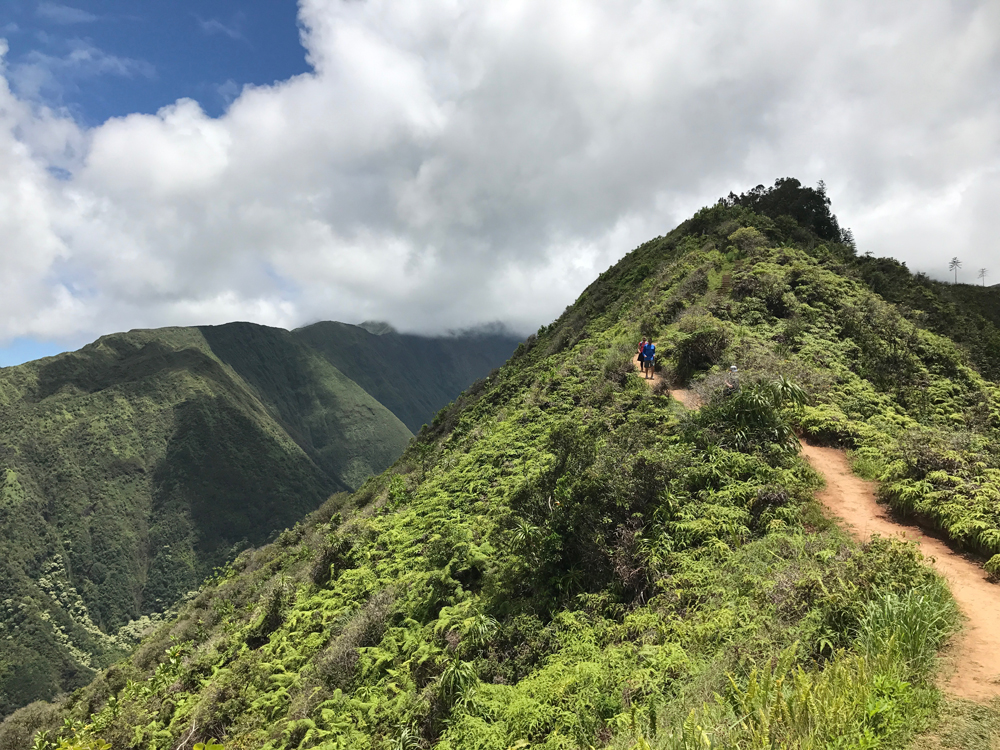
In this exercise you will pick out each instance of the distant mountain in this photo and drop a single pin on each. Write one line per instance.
(414, 376)
(133, 467)
(342, 428)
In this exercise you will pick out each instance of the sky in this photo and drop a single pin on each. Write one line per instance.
(444, 164)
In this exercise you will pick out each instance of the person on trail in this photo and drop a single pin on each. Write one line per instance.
(648, 357)
(732, 384)
(642, 348)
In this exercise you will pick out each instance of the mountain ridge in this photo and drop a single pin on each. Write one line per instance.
(137, 464)
(371, 360)
(565, 557)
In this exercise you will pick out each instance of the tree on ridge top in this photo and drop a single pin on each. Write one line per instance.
(809, 207)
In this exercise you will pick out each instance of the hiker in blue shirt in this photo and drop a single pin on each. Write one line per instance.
(648, 356)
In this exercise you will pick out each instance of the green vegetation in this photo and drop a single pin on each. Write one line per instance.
(412, 376)
(340, 426)
(131, 469)
(567, 558)
(964, 725)
(968, 315)
(860, 699)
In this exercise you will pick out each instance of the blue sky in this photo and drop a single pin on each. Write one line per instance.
(112, 58)
(26, 349)
(108, 58)
(447, 163)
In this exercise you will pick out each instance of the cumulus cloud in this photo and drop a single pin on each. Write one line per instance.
(449, 163)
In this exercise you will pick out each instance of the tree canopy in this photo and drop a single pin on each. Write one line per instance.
(809, 207)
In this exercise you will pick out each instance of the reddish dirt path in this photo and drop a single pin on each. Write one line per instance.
(974, 654)
(688, 398)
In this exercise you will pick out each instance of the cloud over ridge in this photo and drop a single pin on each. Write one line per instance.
(453, 163)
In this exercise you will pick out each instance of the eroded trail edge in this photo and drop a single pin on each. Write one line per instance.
(974, 653)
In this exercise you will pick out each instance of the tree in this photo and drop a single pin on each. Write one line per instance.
(983, 273)
(954, 266)
(808, 207)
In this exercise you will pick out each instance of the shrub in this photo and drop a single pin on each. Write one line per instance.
(336, 556)
(852, 702)
(768, 288)
(752, 418)
(828, 425)
(702, 347)
(271, 616)
(18, 730)
(691, 288)
(748, 239)
(336, 664)
(620, 362)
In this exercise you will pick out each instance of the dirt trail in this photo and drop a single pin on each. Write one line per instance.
(974, 653)
(688, 398)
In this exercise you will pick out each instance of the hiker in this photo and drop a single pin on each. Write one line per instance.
(648, 356)
(732, 384)
(642, 349)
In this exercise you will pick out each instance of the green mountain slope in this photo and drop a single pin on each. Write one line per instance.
(568, 558)
(133, 467)
(341, 426)
(414, 376)
(968, 315)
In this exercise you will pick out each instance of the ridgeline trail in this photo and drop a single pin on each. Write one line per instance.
(973, 654)
(688, 398)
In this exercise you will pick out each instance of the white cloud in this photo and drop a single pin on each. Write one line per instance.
(44, 77)
(449, 163)
(64, 14)
(215, 26)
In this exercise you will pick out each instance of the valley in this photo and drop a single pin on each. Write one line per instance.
(136, 466)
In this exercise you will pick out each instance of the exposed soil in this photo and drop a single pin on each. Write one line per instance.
(688, 398)
(974, 653)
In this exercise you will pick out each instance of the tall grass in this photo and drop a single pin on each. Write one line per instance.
(852, 702)
(858, 699)
(912, 624)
